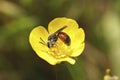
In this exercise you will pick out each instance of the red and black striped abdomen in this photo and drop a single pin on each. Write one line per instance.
(64, 37)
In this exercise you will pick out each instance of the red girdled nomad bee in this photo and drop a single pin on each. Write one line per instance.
(54, 37)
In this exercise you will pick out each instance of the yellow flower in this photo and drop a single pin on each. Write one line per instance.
(64, 48)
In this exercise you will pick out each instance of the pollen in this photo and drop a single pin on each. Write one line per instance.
(60, 50)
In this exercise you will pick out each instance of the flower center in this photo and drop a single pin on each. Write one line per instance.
(60, 50)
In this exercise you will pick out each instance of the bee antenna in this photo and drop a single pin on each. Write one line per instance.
(61, 29)
(43, 42)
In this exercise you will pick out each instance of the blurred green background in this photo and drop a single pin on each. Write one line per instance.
(99, 18)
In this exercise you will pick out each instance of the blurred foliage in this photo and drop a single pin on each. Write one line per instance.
(100, 19)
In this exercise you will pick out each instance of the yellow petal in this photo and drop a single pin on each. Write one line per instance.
(40, 49)
(53, 61)
(58, 23)
(77, 42)
(78, 50)
(34, 38)
(68, 59)
(77, 37)
(37, 33)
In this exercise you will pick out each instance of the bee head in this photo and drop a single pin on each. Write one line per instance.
(52, 40)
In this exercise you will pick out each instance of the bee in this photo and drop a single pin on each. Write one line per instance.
(58, 34)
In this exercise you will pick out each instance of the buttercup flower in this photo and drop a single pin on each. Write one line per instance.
(63, 41)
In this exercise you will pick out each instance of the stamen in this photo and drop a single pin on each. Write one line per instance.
(59, 50)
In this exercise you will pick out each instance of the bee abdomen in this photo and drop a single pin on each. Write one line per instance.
(64, 37)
